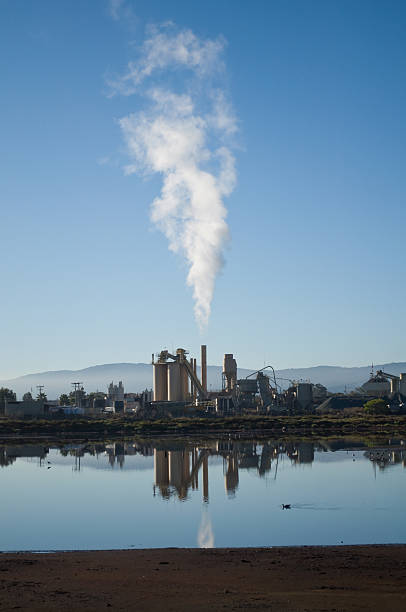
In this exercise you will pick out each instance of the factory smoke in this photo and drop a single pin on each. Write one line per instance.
(205, 535)
(183, 133)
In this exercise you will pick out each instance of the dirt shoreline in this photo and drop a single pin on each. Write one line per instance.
(291, 579)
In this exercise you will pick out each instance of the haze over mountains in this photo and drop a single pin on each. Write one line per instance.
(138, 376)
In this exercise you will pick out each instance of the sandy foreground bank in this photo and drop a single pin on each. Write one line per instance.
(280, 579)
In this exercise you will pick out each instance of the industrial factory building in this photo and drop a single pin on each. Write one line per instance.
(180, 389)
(177, 388)
(25, 408)
(175, 378)
(383, 384)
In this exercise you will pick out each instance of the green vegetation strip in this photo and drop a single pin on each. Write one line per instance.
(309, 425)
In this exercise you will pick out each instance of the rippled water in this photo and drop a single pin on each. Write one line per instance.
(208, 493)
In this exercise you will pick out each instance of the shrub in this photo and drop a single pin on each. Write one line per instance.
(376, 406)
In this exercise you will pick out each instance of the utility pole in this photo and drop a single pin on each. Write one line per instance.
(40, 388)
(76, 389)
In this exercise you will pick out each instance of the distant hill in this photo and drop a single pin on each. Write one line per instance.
(138, 376)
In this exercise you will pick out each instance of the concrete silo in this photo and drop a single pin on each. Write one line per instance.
(402, 385)
(394, 385)
(175, 382)
(160, 381)
(229, 372)
(184, 382)
(304, 395)
(171, 378)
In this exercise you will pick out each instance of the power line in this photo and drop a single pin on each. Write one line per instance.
(76, 390)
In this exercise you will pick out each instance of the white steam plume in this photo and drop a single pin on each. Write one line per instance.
(183, 136)
(205, 535)
(115, 7)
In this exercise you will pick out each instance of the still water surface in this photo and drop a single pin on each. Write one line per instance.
(207, 493)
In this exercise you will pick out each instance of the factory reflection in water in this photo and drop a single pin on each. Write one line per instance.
(182, 467)
(178, 471)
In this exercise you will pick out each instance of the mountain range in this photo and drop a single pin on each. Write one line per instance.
(138, 376)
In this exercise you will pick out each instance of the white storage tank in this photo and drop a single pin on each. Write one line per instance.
(394, 385)
(402, 384)
(185, 382)
(160, 380)
(175, 383)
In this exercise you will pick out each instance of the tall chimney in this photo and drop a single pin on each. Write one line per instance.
(195, 373)
(205, 478)
(192, 387)
(204, 367)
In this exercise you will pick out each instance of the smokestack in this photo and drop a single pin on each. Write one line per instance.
(204, 367)
(195, 373)
(205, 479)
(192, 387)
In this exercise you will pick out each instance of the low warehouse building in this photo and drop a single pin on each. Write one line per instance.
(30, 408)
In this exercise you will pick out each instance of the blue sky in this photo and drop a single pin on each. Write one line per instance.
(314, 271)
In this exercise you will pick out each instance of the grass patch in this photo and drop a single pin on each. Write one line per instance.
(309, 425)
